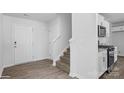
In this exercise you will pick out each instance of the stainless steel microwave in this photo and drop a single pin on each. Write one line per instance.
(101, 31)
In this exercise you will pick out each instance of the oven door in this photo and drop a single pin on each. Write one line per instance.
(111, 58)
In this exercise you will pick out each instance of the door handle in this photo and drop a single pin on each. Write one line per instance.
(15, 44)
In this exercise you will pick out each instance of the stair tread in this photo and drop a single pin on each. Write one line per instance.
(63, 66)
(64, 62)
(68, 53)
(65, 57)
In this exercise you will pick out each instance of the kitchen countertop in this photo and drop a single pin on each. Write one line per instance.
(101, 49)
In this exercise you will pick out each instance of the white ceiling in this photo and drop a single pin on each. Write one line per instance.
(34, 16)
(111, 17)
(114, 17)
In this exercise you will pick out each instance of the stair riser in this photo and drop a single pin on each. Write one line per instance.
(65, 58)
(65, 61)
(66, 53)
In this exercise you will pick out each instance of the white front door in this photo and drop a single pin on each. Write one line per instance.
(23, 44)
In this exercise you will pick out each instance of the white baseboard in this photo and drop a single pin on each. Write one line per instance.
(33, 60)
(81, 77)
(5, 66)
(74, 75)
(38, 59)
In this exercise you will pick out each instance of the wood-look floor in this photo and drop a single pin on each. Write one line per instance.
(34, 70)
(44, 70)
(117, 71)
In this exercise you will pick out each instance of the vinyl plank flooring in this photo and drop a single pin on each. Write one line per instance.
(117, 71)
(35, 70)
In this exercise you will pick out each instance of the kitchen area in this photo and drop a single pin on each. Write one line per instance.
(107, 52)
(97, 46)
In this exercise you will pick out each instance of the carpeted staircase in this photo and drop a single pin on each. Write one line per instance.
(64, 62)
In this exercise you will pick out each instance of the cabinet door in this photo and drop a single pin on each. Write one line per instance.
(100, 19)
(102, 65)
(106, 24)
(104, 61)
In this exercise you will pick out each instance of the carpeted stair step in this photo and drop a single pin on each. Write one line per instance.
(64, 62)
(66, 53)
(68, 49)
(63, 66)
(65, 59)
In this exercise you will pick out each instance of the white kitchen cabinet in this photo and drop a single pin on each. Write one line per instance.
(106, 24)
(102, 62)
(117, 29)
(100, 19)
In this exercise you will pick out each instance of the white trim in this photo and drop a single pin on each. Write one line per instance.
(70, 41)
(33, 60)
(73, 75)
(54, 63)
(80, 77)
(5, 66)
(38, 59)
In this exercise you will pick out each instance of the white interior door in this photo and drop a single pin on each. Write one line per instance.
(23, 44)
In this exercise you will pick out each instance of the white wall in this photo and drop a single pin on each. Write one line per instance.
(84, 46)
(54, 34)
(60, 32)
(1, 42)
(40, 39)
(117, 39)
